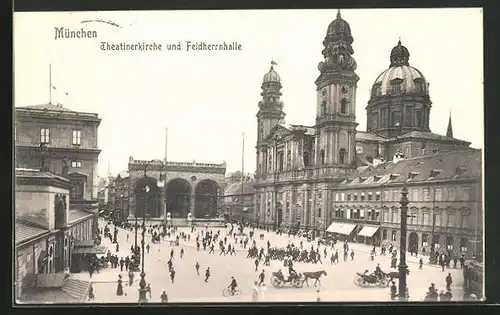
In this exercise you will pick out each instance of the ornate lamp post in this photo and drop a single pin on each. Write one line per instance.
(402, 244)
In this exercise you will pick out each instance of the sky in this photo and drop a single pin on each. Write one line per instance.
(208, 99)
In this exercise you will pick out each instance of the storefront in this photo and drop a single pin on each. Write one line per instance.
(343, 231)
(369, 234)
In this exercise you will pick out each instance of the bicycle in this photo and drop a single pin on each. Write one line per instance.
(226, 292)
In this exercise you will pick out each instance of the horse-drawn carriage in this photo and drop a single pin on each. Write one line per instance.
(381, 280)
(278, 280)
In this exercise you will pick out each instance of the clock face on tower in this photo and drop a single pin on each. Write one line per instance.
(345, 89)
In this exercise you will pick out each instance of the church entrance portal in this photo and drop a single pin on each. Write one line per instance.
(152, 198)
(206, 199)
(178, 198)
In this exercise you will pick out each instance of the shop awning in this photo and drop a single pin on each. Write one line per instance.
(335, 227)
(95, 249)
(368, 230)
(347, 228)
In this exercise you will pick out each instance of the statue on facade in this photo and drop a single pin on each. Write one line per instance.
(65, 167)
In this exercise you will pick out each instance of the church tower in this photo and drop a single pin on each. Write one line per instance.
(269, 115)
(336, 100)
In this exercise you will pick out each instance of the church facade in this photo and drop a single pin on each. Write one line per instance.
(299, 168)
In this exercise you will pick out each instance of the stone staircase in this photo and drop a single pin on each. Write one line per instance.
(78, 289)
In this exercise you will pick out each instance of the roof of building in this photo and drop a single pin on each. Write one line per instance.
(427, 135)
(50, 107)
(33, 173)
(368, 136)
(75, 215)
(26, 232)
(271, 75)
(451, 165)
(235, 188)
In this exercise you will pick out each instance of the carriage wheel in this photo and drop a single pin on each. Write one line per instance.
(298, 283)
(358, 281)
(276, 282)
(381, 283)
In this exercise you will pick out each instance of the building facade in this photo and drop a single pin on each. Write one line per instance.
(188, 188)
(301, 168)
(63, 142)
(47, 232)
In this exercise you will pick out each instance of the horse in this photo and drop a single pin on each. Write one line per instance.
(314, 275)
(394, 274)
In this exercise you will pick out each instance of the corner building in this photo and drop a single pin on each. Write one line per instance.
(301, 168)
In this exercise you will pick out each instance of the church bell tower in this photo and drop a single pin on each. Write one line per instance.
(269, 115)
(336, 99)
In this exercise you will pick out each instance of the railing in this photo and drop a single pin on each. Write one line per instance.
(55, 112)
(159, 162)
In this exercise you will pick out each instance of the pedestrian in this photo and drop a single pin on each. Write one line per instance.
(256, 264)
(147, 248)
(255, 292)
(394, 290)
(442, 265)
(127, 237)
(207, 274)
(197, 267)
(91, 292)
(130, 278)
(117, 247)
(164, 297)
(172, 253)
(352, 254)
(122, 262)
(262, 276)
(119, 289)
(148, 289)
(420, 263)
(449, 281)
(442, 297)
(332, 259)
(91, 271)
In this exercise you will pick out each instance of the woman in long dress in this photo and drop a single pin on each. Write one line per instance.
(119, 289)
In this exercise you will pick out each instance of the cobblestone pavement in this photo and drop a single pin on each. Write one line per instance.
(338, 285)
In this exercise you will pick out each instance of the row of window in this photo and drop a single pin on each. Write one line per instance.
(414, 194)
(76, 138)
(396, 88)
(426, 238)
(343, 107)
(412, 118)
(427, 219)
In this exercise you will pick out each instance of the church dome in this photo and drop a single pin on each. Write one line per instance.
(339, 27)
(400, 78)
(272, 76)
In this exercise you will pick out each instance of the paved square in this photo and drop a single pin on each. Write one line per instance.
(338, 285)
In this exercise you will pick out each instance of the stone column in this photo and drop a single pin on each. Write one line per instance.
(192, 204)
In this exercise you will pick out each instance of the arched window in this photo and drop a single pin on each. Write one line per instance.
(323, 108)
(305, 157)
(342, 156)
(343, 106)
(319, 212)
(322, 157)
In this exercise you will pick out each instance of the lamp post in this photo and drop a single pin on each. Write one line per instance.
(276, 139)
(402, 246)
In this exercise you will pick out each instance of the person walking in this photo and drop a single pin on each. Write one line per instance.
(420, 263)
(207, 274)
(119, 288)
(91, 292)
(148, 289)
(130, 278)
(352, 254)
(449, 281)
(256, 264)
(262, 276)
(148, 248)
(182, 252)
(197, 267)
(394, 290)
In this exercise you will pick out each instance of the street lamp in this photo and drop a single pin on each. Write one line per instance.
(402, 245)
(142, 283)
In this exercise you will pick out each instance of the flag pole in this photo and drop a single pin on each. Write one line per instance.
(50, 83)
